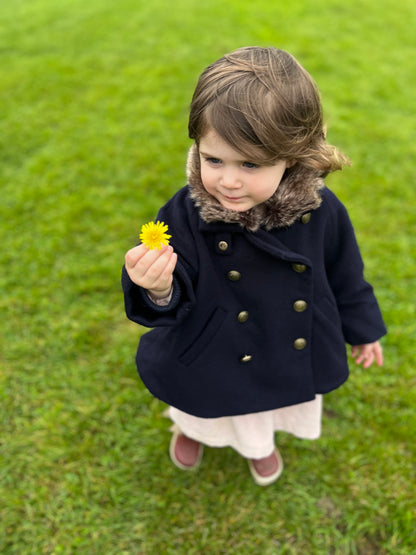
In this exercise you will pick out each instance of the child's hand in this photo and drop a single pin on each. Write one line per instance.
(152, 269)
(368, 353)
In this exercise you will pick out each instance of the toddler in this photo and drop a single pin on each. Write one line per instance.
(262, 286)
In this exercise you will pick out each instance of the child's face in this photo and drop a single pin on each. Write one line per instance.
(236, 183)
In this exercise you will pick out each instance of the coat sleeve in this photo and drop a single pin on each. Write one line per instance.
(360, 314)
(139, 308)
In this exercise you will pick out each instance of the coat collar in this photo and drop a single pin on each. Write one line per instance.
(298, 193)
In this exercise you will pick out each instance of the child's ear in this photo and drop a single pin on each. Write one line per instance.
(290, 163)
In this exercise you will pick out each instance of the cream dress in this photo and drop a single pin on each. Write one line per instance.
(252, 435)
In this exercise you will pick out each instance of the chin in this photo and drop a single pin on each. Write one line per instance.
(242, 209)
(235, 207)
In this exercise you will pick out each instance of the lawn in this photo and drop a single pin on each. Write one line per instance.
(94, 99)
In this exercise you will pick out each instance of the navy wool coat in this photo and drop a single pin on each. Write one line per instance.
(259, 319)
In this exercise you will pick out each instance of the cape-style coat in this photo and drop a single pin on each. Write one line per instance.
(263, 301)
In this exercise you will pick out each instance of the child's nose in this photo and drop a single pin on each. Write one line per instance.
(230, 178)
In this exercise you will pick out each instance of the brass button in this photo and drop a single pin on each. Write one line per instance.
(233, 275)
(299, 268)
(300, 306)
(246, 358)
(299, 343)
(223, 245)
(305, 219)
(242, 316)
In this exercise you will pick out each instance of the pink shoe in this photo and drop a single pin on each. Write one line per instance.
(267, 470)
(186, 453)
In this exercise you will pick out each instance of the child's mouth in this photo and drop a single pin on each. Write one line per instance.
(232, 199)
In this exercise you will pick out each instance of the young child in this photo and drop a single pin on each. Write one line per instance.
(263, 285)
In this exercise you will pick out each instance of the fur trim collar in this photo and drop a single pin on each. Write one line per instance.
(297, 194)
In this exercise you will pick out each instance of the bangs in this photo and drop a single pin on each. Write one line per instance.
(238, 129)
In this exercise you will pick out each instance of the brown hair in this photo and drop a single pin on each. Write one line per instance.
(265, 105)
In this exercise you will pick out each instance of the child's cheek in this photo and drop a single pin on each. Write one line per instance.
(207, 180)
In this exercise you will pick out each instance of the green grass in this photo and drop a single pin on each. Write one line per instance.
(93, 102)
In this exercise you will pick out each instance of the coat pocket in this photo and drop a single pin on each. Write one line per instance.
(204, 338)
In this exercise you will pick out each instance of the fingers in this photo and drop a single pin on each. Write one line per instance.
(159, 275)
(378, 353)
(151, 269)
(134, 255)
(367, 357)
(361, 354)
(367, 354)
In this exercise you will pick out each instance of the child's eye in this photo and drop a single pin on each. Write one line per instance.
(213, 161)
(250, 165)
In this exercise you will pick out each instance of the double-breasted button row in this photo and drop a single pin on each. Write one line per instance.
(223, 246)
(234, 275)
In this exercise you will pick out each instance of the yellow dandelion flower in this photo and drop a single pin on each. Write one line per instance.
(153, 235)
